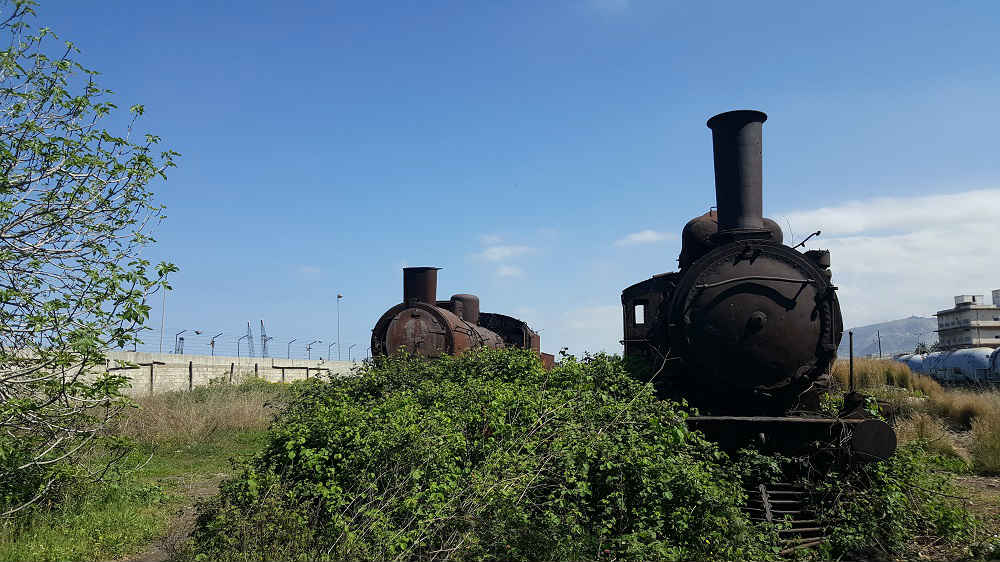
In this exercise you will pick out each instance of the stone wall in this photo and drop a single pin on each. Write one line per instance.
(163, 372)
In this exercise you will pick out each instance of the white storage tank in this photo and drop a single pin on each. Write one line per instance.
(915, 361)
(961, 366)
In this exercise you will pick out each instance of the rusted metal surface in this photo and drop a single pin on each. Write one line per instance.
(737, 144)
(469, 306)
(868, 439)
(757, 322)
(420, 284)
(423, 325)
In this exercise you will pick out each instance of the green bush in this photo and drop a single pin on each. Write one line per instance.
(882, 507)
(482, 456)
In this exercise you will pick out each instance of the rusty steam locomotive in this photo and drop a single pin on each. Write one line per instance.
(748, 327)
(425, 326)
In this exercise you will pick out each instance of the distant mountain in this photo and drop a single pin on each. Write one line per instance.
(898, 336)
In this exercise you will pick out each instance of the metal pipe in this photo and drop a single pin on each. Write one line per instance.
(850, 335)
(737, 145)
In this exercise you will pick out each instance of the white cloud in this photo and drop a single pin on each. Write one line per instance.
(902, 256)
(490, 239)
(309, 270)
(647, 236)
(510, 271)
(906, 214)
(502, 253)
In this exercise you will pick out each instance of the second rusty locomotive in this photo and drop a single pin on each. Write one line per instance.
(747, 324)
(423, 325)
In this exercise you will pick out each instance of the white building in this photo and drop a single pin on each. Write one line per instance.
(972, 323)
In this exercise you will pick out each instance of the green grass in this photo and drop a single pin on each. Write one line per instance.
(126, 515)
(180, 460)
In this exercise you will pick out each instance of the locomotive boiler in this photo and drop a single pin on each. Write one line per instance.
(748, 327)
(423, 325)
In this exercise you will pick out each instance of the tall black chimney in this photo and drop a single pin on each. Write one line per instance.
(420, 284)
(737, 144)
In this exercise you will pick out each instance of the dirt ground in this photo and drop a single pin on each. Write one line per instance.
(182, 521)
(981, 495)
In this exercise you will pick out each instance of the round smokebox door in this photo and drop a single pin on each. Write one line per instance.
(419, 331)
(752, 316)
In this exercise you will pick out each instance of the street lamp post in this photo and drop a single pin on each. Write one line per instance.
(177, 335)
(238, 340)
(212, 343)
(309, 348)
(290, 347)
(266, 341)
(176, 347)
(328, 356)
(349, 348)
(339, 296)
(368, 352)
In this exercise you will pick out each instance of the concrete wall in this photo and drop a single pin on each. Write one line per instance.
(163, 372)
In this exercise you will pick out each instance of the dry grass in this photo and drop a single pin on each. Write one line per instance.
(986, 443)
(194, 417)
(931, 431)
(931, 413)
(876, 373)
(962, 407)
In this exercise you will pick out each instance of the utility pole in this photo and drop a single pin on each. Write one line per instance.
(879, 336)
(339, 296)
(163, 312)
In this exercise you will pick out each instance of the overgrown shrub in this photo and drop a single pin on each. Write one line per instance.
(883, 507)
(482, 456)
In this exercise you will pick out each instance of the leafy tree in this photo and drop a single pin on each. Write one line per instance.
(75, 211)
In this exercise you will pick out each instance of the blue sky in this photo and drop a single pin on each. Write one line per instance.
(545, 154)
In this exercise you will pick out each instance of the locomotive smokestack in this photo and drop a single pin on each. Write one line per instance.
(737, 144)
(420, 284)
